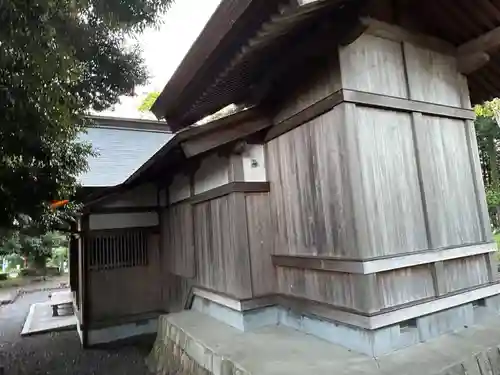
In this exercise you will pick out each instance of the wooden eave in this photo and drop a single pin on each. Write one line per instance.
(129, 123)
(262, 55)
(232, 21)
(187, 144)
(243, 75)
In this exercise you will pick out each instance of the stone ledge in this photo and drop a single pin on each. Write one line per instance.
(191, 343)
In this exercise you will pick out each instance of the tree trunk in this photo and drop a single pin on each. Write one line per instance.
(492, 155)
(39, 261)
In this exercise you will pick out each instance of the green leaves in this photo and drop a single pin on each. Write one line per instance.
(148, 101)
(59, 59)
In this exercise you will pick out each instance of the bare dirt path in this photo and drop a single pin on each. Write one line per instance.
(59, 353)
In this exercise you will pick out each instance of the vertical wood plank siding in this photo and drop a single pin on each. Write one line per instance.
(310, 195)
(222, 259)
(374, 64)
(448, 182)
(464, 273)
(325, 80)
(175, 291)
(260, 240)
(405, 285)
(178, 240)
(389, 183)
(361, 182)
(338, 289)
(432, 77)
(140, 284)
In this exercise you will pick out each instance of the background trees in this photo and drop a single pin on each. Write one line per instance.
(488, 140)
(58, 60)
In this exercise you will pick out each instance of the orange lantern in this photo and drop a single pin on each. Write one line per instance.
(57, 204)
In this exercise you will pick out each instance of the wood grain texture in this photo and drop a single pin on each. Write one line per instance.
(179, 188)
(310, 195)
(334, 288)
(143, 195)
(389, 184)
(399, 34)
(432, 77)
(230, 133)
(260, 240)
(321, 84)
(141, 286)
(465, 273)
(392, 103)
(178, 242)
(375, 65)
(221, 245)
(405, 285)
(213, 172)
(448, 182)
(175, 291)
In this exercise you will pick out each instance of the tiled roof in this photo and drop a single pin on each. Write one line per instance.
(121, 151)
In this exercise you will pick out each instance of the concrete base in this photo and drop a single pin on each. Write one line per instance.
(192, 343)
(370, 342)
(40, 320)
(106, 335)
(121, 332)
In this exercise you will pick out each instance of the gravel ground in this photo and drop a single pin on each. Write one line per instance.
(59, 353)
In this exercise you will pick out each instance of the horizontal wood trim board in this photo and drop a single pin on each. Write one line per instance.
(398, 34)
(232, 187)
(122, 210)
(367, 99)
(390, 102)
(208, 142)
(233, 303)
(306, 115)
(439, 304)
(366, 267)
(93, 232)
(119, 320)
(368, 321)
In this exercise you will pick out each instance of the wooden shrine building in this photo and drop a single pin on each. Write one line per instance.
(348, 193)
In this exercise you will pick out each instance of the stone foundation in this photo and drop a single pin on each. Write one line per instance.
(191, 343)
(370, 342)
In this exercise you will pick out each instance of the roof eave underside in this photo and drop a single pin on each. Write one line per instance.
(237, 79)
(244, 77)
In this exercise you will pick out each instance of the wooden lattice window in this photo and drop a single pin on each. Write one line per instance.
(117, 250)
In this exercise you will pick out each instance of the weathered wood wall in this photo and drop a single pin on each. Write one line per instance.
(123, 220)
(178, 237)
(310, 194)
(215, 238)
(324, 80)
(222, 257)
(122, 292)
(213, 172)
(378, 176)
(144, 195)
(261, 231)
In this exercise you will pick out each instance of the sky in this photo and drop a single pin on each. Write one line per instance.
(164, 48)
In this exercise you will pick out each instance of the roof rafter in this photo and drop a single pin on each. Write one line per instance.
(484, 43)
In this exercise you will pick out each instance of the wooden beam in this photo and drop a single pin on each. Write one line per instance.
(468, 64)
(399, 34)
(486, 42)
(232, 187)
(390, 102)
(208, 142)
(309, 113)
(382, 264)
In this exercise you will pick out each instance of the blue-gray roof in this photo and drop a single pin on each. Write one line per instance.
(122, 146)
